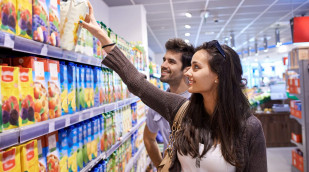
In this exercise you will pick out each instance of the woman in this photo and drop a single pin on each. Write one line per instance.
(218, 132)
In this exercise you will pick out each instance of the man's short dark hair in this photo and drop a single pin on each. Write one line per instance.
(180, 46)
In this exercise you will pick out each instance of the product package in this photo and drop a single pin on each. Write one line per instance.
(40, 20)
(24, 18)
(80, 82)
(79, 157)
(63, 149)
(89, 140)
(42, 152)
(85, 139)
(53, 77)
(26, 96)
(71, 87)
(64, 87)
(8, 16)
(53, 156)
(70, 13)
(89, 98)
(39, 74)
(10, 160)
(29, 156)
(73, 147)
(10, 97)
(54, 22)
(96, 84)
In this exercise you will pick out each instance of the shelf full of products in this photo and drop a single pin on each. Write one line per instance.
(23, 134)
(297, 84)
(109, 152)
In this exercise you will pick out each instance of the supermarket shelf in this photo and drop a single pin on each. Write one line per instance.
(134, 159)
(155, 75)
(23, 134)
(21, 44)
(296, 95)
(299, 145)
(9, 138)
(300, 121)
(294, 69)
(106, 154)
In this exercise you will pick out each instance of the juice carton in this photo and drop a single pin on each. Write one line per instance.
(81, 91)
(89, 140)
(98, 150)
(10, 97)
(73, 147)
(101, 85)
(96, 86)
(10, 160)
(71, 87)
(101, 119)
(54, 100)
(94, 135)
(24, 18)
(71, 12)
(29, 156)
(8, 16)
(85, 139)
(42, 151)
(91, 97)
(39, 74)
(54, 22)
(53, 156)
(26, 96)
(88, 87)
(80, 147)
(63, 149)
(64, 87)
(40, 20)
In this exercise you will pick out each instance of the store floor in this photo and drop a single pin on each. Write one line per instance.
(279, 159)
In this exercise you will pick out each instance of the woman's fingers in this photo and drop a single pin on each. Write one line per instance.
(90, 8)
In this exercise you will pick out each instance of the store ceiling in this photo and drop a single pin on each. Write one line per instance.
(247, 19)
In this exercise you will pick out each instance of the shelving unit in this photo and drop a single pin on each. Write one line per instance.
(302, 61)
(23, 134)
(106, 154)
(20, 44)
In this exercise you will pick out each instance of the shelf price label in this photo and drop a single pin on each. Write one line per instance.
(74, 119)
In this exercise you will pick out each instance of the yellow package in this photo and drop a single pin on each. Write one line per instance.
(29, 156)
(10, 160)
(24, 18)
(10, 97)
(26, 97)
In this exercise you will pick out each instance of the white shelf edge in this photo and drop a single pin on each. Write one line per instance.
(300, 121)
(299, 145)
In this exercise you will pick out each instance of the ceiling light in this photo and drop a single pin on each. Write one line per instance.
(187, 34)
(187, 26)
(189, 15)
(187, 41)
(256, 59)
(209, 33)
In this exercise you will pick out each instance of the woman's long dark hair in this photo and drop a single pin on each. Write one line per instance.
(232, 109)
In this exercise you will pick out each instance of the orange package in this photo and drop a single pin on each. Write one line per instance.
(53, 78)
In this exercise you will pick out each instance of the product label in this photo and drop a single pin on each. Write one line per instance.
(39, 70)
(53, 71)
(30, 151)
(7, 74)
(9, 159)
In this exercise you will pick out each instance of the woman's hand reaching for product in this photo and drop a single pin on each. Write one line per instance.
(90, 23)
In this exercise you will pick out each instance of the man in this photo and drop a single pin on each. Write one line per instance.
(176, 62)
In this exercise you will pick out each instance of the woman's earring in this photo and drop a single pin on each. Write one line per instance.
(216, 81)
